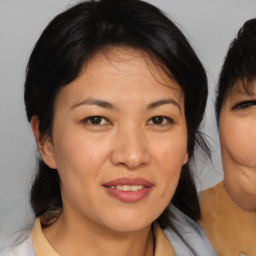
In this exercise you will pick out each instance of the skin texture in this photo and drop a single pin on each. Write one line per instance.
(237, 128)
(126, 142)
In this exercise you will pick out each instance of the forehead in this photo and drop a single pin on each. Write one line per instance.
(242, 87)
(127, 61)
(123, 64)
(121, 74)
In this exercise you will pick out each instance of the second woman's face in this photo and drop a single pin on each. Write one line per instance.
(119, 141)
(237, 128)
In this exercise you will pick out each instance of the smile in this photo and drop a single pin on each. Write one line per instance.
(128, 187)
(128, 190)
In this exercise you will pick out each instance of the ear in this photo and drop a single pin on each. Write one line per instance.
(186, 157)
(44, 144)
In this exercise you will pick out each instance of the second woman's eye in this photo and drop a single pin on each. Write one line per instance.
(160, 120)
(245, 104)
(95, 120)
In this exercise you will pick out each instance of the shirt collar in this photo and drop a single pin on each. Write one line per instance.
(43, 248)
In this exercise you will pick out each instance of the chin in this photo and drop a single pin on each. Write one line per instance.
(248, 202)
(134, 225)
(129, 222)
(251, 204)
(249, 208)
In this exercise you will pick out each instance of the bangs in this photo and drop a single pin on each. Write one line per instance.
(244, 86)
(247, 84)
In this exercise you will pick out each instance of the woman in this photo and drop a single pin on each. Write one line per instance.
(229, 208)
(115, 96)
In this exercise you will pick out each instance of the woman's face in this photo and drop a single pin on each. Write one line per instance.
(119, 141)
(237, 127)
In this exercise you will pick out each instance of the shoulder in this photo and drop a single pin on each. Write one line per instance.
(187, 237)
(23, 249)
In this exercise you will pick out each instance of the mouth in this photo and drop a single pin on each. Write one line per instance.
(128, 190)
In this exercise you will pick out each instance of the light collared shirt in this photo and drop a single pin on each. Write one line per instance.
(187, 239)
(37, 245)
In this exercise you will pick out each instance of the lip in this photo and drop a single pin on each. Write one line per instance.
(128, 196)
(129, 181)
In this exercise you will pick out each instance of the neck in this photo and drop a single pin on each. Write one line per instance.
(81, 238)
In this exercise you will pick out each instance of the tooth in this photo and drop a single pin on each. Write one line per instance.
(126, 188)
(134, 188)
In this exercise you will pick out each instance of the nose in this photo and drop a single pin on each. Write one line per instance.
(130, 149)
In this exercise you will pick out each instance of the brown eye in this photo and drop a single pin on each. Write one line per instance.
(245, 104)
(96, 120)
(160, 120)
(157, 120)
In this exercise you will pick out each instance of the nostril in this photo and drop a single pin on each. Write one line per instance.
(130, 159)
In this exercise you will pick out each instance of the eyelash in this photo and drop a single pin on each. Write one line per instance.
(89, 120)
(96, 120)
(162, 118)
(244, 104)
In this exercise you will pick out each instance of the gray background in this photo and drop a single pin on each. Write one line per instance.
(209, 26)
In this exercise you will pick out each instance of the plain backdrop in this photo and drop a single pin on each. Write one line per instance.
(209, 26)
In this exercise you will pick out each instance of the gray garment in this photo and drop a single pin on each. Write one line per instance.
(23, 249)
(188, 239)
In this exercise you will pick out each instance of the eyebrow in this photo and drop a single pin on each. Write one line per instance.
(105, 104)
(163, 102)
(100, 103)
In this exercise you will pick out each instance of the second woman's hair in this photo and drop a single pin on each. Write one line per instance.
(239, 64)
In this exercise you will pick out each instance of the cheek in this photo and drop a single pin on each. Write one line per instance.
(79, 162)
(173, 150)
(169, 168)
(240, 142)
(170, 156)
(78, 157)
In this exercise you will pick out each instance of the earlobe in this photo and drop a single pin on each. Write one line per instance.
(186, 158)
(44, 144)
